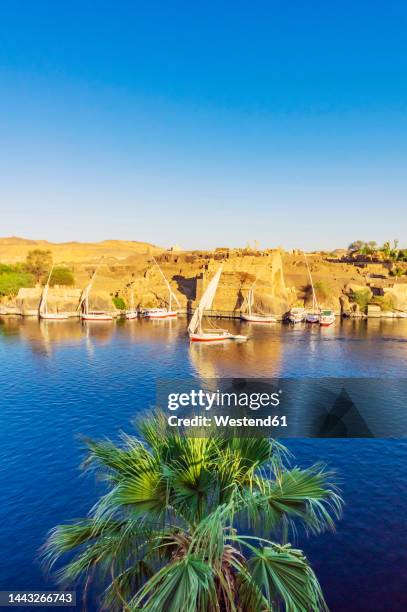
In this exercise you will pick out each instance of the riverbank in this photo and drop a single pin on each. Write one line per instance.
(349, 287)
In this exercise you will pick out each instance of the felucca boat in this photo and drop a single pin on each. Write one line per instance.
(92, 315)
(255, 317)
(163, 313)
(313, 315)
(43, 307)
(214, 334)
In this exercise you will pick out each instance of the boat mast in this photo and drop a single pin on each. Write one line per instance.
(170, 291)
(195, 324)
(85, 300)
(314, 297)
(250, 298)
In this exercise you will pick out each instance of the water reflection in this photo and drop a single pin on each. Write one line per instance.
(351, 347)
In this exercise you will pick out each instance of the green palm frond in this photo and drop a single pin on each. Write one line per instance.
(186, 585)
(283, 574)
(310, 495)
(64, 538)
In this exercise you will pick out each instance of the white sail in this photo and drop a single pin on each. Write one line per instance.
(170, 291)
(43, 308)
(84, 303)
(250, 298)
(205, 302)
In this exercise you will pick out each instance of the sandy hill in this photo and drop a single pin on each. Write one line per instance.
(14, 249)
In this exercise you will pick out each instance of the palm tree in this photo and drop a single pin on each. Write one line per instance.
(186, 524)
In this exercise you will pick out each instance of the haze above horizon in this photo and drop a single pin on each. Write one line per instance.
(204, 125)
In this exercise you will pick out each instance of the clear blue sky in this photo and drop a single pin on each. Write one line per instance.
(204, 123)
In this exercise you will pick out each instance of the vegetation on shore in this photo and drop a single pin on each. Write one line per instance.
(13, 278)
(198, 525)
(119, 302)
(36, 269)
(388, 251)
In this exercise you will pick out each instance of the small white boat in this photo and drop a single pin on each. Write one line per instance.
(312, 316)
(54, 316)
(92, 315)
(296, 315)
(327, 318)
(255, 317)
(131, 314)
(43, 307)
(214, 334)
(158, 313)
(258, 318)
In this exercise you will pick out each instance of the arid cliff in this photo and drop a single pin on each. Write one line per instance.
(126, 269)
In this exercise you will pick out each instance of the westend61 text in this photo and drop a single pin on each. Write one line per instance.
(227, 421)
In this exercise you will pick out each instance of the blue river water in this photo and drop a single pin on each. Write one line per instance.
(62, 380)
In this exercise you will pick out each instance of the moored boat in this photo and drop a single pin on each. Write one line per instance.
(312, 316)
(158, 313)
(214, 334)
(327, 318)
(258, 318)
(255, 317)
(92, 315)
(162, 313)
(96, 315)
(131, 314)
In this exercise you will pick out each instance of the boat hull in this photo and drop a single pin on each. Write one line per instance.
(210, 336)
(54, 316)
(327, 322)
(166, 314)
(96, 316)
(257, 318)
(327, 318)
(296, 315)
(312, 318)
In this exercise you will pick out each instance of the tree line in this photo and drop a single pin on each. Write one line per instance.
(35, 269)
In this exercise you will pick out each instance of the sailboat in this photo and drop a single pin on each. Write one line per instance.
(163, 313)
(92, 315)
(132, 312)
(43, 307)
(195, 330)
(255, 317)
(313, 315)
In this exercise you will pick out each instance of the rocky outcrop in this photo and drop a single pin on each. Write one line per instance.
(398, 296)
(60, 299)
